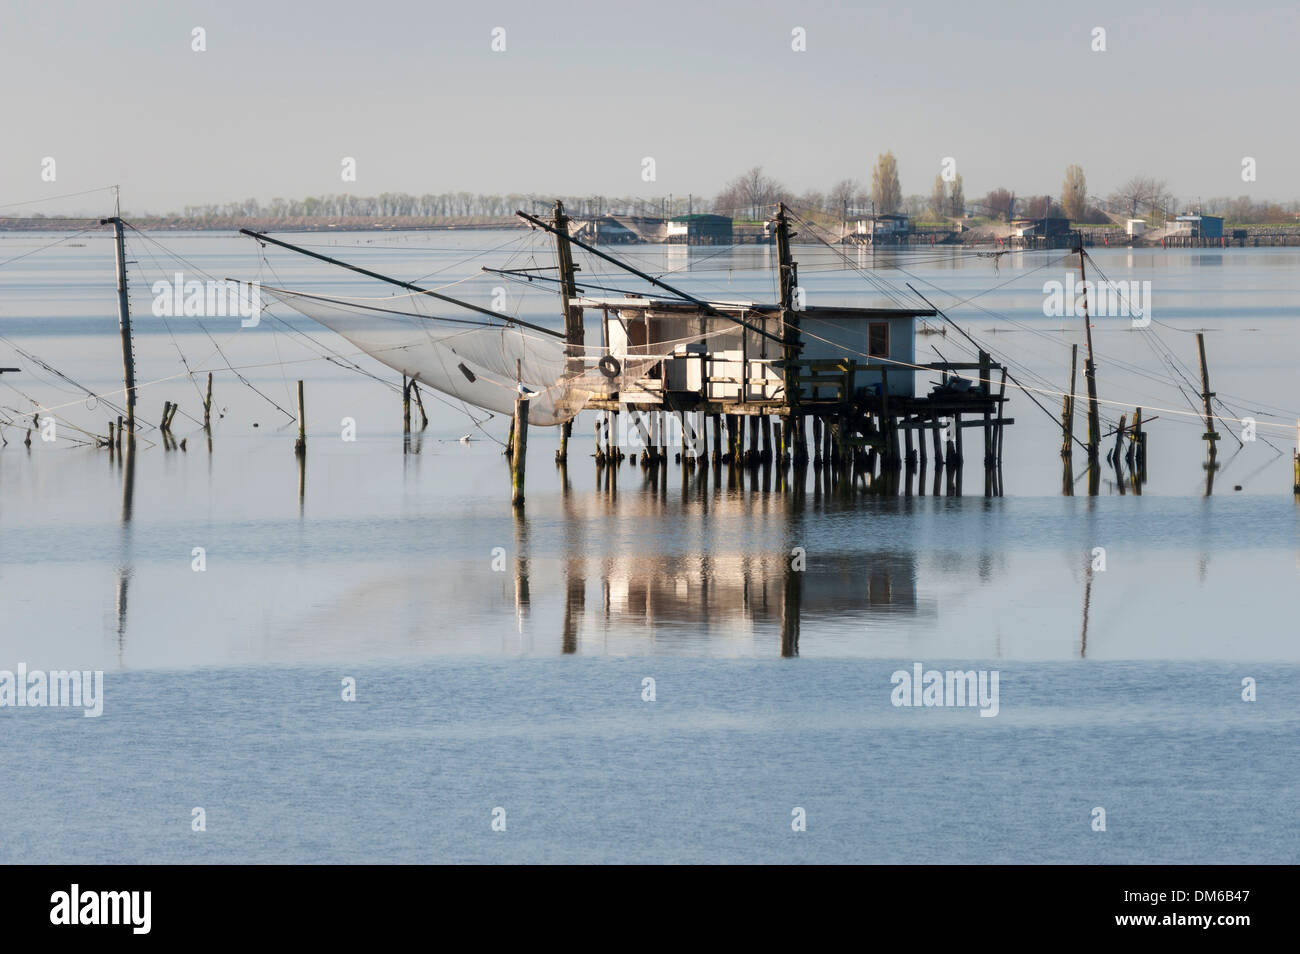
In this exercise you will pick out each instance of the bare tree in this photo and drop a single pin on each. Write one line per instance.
(842, 196)
(998, 204)
(752, 192)
(1140, 192)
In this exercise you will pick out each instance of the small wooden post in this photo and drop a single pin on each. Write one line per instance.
(519, 457)
(1117, 456)
(717, 438)
(600, 449)
(300, 446)
(817, 442)
(801, 441)
(767, 439)
(406, 405)
(207, 406)
(166, 415)
(419, 403)
(1296, 462)
(562, 455)
(920, 444)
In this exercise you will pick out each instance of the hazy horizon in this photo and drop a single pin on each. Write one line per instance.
(582, 94)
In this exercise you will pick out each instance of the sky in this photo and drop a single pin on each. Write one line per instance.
(583, 92)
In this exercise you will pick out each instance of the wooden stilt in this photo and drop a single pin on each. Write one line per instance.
(300, 446)
(920, 446)
(419, 403)
(406, 405)
(207, 406)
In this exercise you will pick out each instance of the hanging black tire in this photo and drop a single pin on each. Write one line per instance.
(609, 366)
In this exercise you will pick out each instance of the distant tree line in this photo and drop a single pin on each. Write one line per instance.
(751, 195)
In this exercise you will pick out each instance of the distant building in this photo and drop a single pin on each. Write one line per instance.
(1135, 226)
(1044, 226)
(885, 225)
(1199, 226)
(699, 230)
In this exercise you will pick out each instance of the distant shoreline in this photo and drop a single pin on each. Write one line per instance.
(343, 223)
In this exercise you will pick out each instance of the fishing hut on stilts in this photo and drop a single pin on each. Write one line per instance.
(782, 384)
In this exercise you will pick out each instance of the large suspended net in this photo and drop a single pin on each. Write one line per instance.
(484, 363)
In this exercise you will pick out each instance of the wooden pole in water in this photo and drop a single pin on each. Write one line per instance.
(207, 406)
(1090, 373)
(1296, 462)
(300, 446)
(920, 445)
(124, 323)
(1067, 416)
(562, 455)
(999, 429)
(817, 441)
(1210, 434)
(986, 389)
(519, 457)
(406, 405)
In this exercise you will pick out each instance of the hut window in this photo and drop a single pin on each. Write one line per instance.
(878, 339)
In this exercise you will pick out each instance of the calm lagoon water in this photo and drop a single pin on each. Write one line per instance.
(499, 658)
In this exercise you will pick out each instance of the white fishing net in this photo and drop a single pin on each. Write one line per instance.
(482, 362)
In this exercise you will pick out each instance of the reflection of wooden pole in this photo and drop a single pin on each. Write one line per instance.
(791, 609)
(300, 446)
(519, 457)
